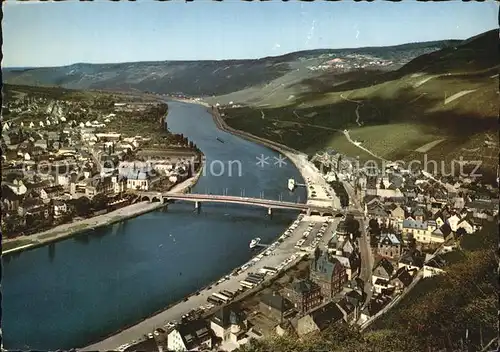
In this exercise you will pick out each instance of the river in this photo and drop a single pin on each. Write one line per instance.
(79, 290)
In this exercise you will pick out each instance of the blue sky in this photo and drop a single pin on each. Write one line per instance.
(54, 34)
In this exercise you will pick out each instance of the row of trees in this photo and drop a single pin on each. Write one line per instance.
(340, 191)
(337, 338)
(85, 207)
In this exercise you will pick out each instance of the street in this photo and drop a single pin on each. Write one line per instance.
(364, 243)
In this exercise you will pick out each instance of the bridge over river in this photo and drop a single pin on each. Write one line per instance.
(310, 209)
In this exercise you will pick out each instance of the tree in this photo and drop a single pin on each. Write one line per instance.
(412, 243)
(82, 206)
(460, 232)
(100, 201)
(352, 225)
(374, 226)
(317, 253)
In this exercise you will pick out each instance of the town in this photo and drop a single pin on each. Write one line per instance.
(412, 227)
(68, 157)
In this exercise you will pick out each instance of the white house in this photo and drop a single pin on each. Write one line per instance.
(60, 208)
(163, 167)
(62, 180)
(440, 235)
(467, 226)
(453, 222)
(434, 266)
(43, 194)
(110, 135)
(421, 230)
(18, 187)
(346, 263)
(230, 325)
(138, 180)
(119, 185)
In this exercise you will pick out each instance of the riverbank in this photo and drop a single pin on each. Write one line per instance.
(136, 331)
(311, 175)
(65, 231)
(284, 254)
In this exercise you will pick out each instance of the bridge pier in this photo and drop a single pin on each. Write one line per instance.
(270, 212)
(197, 206)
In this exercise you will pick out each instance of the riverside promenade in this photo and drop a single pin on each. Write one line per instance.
(133, 334)
(63, 231)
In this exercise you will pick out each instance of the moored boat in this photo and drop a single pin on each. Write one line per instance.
(254, 242)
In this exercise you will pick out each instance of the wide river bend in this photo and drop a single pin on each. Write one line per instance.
(77, 291)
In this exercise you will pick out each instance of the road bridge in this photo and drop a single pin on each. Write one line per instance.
(259, 202)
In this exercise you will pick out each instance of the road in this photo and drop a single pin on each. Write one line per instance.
(364, 243)
(314, 179)
(95, 156)
(360, 104)
(136, 333)
(344, 132)
(320, 207)
(357, 144)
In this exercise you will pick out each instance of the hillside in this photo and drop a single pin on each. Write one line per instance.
(442, 104)
(436, 100)
(207, 78)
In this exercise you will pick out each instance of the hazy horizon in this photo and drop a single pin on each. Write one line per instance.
(68, 33)
(243, 59)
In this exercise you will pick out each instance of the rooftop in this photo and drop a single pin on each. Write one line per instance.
(389, 239)
(326, 315)
(229, 315)
(194, 332)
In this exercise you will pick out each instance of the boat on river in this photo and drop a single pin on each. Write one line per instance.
(254, 242)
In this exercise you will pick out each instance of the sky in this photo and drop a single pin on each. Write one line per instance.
(40, 34)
